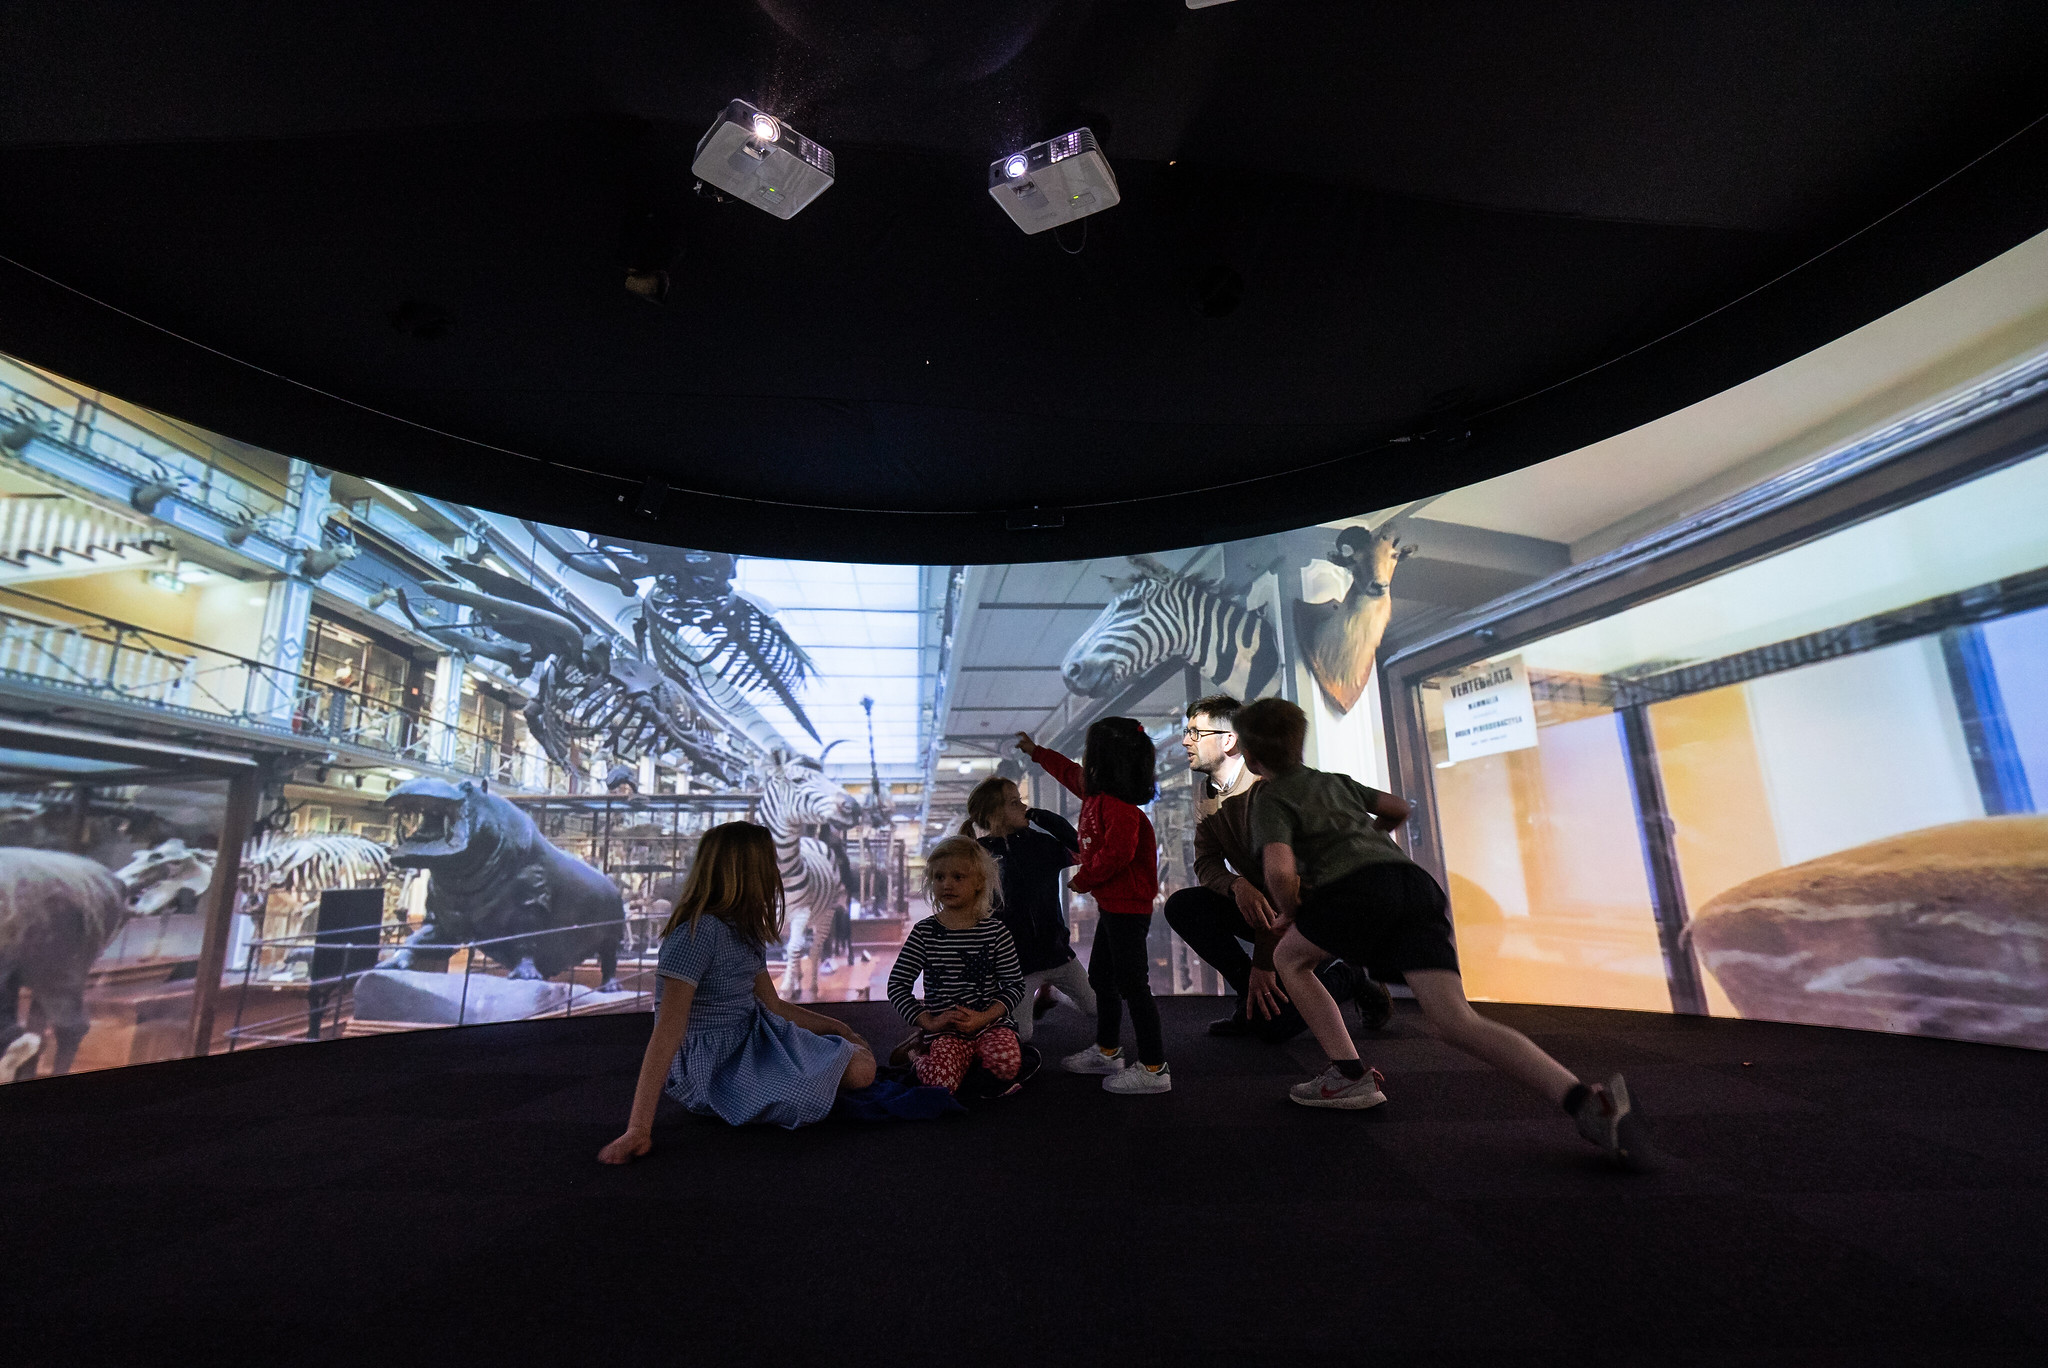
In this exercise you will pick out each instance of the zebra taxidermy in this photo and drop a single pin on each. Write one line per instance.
(796, 795)
(1159, 615)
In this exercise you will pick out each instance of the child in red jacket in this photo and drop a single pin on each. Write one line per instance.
(1120, 866)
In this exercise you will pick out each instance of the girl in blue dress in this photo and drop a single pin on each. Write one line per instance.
(724, 1043)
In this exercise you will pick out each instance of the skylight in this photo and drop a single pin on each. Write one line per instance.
(860, 626)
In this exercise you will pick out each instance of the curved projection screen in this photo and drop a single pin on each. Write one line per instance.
(1803, 789)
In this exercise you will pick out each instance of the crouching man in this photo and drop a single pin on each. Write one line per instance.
(1229, 909)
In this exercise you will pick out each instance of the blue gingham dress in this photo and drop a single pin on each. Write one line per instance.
(739, 1061)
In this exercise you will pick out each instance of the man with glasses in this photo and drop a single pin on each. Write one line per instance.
(1229, 905)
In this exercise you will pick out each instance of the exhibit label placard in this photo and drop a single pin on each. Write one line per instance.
(1488, 709)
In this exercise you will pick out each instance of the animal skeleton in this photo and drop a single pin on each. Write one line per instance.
(170, 876)
(583, 687)
(688, 617)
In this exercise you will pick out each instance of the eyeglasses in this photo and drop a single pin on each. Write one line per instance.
(1197, 733)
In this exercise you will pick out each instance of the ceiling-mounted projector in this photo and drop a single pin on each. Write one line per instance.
(754, 156)
(1053, 182)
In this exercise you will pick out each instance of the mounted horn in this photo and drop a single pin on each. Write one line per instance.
(1152, 566)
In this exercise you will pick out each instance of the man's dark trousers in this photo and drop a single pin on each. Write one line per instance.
(1213, 927)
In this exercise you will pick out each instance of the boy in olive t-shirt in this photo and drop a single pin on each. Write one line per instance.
(1340, 886)
(1331, 821)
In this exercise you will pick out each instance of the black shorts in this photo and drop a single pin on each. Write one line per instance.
(1389, 918)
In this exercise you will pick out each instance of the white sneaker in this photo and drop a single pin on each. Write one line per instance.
(1140, 1080)
(1093, 1061)
(25, 1047)
(1332, 1089)
(1610, 1119)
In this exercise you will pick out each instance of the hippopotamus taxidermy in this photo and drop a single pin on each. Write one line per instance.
(57, 912)
(493, 875)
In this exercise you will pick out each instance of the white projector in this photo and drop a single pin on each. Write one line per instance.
(754, 156)
(1053, 182)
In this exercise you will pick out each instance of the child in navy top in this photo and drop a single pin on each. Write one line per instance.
(1120, 866)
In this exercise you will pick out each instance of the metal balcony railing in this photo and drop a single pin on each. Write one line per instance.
(355, 951)
(107, 658)
(73, 418)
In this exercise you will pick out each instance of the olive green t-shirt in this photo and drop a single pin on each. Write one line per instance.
(1327, 819)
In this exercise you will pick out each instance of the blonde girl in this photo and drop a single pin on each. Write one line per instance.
(969, 964)
(724, 1042)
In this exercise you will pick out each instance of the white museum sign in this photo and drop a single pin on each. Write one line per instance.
(1488, 709)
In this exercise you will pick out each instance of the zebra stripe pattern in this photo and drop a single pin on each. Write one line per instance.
(794, 796)
(1160, 617)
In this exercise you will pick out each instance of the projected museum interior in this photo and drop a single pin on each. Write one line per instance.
(290, 755)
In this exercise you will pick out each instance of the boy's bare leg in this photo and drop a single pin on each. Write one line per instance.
(1441, 995)
(1296, 958)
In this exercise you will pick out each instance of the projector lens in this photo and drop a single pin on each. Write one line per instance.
(1016, 166)
(765, 128)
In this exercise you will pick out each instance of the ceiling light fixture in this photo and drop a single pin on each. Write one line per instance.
(1053, 182)
(753, 156)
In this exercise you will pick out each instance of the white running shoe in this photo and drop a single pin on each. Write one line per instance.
(25, 1047)
(1093, 1061)
(1611, 1120)
(1140, 1080)
(1332, 1089)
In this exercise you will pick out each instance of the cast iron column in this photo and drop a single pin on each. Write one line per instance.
(1660, 860)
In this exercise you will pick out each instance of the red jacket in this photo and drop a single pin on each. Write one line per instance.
(1119, 854)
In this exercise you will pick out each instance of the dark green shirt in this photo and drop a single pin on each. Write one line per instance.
(1327, 819)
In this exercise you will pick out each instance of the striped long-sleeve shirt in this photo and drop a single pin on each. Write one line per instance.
(971, 968)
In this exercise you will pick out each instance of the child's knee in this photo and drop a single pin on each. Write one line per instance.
(1003, 1058)
(860, 1070)
(1454, 1019)
(1294, 955)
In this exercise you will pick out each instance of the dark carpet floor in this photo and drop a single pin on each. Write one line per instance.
(1830, 1198)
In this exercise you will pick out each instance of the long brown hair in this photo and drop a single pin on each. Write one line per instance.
(735, 879)
(984, 801)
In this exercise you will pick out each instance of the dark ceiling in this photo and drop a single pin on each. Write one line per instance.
(392, 239)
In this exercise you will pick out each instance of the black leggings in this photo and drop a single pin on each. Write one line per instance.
(1120, 971)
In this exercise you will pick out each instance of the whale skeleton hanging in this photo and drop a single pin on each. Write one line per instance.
(687, 617)
(584, 687)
